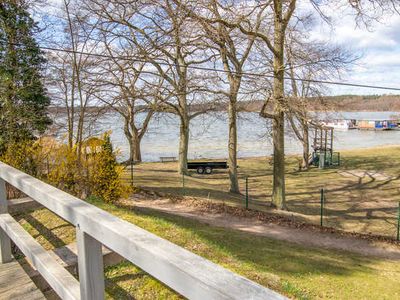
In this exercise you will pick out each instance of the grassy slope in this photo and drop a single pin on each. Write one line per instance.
(299, 272)
(355, 202)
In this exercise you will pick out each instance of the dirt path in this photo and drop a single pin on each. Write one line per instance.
(305, 237)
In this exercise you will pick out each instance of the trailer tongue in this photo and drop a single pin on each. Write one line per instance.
(206, 167)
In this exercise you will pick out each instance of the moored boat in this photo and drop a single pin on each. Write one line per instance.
(341, 124)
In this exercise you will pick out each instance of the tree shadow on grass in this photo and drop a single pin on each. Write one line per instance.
(264, 254)
(47, 233)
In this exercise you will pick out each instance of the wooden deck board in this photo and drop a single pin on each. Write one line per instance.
(16, 284)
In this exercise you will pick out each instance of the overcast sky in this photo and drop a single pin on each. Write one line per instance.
(377, 46)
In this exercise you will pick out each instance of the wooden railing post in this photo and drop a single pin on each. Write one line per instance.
(5, 242)
(90, 266)
(188, 274)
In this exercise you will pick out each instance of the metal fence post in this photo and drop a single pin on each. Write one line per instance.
(247, 192)
(5, 242)
(322, 207)
(90, 266)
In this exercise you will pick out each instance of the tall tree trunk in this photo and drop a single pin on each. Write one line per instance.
(278, 135)
(134, 134)
(135, 143)
(234, 82)
(128, 136)
(137, 154)
(306, 146)
(134, 139)
(131, 148)
(232, 147)
(75, 81)
(79, 138)
(71, 117)
(183, 145)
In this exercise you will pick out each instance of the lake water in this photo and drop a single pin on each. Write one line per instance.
(208, 135)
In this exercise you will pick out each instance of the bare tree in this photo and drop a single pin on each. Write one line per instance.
(233, 50)
(282, 12)
(73, 74)
(273, 36)
(163, 36)
(125, 88)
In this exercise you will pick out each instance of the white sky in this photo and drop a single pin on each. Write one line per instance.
(378, 46)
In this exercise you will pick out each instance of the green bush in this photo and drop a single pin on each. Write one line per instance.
(107, 176)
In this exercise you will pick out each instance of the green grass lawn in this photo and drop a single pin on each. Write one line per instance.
(299, 272)
(361, 195)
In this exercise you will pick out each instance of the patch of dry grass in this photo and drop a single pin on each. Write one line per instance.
(361, 195)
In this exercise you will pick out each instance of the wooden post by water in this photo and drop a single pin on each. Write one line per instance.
(5, 242)
(90, 266)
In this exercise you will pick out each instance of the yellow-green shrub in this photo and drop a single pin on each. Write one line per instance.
(95, 171)
(21, 156)
(107, 181)
(65, 172)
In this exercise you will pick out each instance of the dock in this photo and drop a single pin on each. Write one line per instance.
(364, 124)
(16, 284)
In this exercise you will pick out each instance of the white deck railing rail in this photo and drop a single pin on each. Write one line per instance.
(188, 274)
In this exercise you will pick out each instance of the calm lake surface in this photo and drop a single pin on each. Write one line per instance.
(208, 135)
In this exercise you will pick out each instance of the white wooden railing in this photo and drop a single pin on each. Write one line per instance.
(188, 274)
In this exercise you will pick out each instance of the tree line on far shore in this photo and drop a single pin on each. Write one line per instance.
(182, 57)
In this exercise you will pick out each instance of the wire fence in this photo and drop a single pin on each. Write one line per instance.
(352, 209)
(327, 208)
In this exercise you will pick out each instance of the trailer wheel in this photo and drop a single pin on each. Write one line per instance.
(200, 170)
(208, 170)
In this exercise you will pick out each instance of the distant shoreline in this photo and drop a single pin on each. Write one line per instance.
(342, 103)
(291, 155)
(63, 110)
